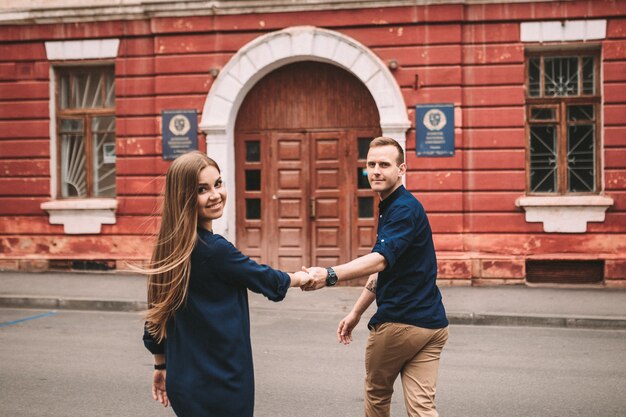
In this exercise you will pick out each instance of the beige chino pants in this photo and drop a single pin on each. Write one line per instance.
(413, 352)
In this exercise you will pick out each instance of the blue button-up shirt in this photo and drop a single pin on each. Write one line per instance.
(407, 291)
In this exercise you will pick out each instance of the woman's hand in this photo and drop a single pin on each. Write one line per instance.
(300, 279)
(158, 388)
(344, 330)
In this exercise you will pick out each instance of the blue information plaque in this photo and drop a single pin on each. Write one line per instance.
(180, 132)
(434, 129)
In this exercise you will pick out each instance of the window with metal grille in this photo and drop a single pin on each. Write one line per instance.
(85, 109)
(562, 104)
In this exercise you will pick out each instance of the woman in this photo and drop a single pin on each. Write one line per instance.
(198, 324)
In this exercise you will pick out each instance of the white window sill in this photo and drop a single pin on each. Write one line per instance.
(81, 216)
(565, 214)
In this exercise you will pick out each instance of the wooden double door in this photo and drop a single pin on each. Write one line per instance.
(301, 139)
(303, 197)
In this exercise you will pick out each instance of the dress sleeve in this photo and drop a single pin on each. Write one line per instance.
(235, 267)
(152, 345)
(396, 234)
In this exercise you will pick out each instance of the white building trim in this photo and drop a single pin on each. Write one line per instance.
(271, 51)
(565, 214)
(81, 216)
(83, 49)
(64, 11)
(563, 31)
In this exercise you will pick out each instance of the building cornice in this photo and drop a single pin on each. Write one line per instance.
(12, 12)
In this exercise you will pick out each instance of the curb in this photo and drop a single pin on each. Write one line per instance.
(484, 319)
(455, 318)
(72, 304)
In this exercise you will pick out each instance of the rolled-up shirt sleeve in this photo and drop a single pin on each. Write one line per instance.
(152, 345)
(233, 266)
(395, 234)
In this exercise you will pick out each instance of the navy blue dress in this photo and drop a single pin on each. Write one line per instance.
(208, 350)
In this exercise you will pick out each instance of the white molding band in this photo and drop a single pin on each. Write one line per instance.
(85, 216)
(83, 49)
(565, 214)
(271, 51)
(64, 11)
(563, 31)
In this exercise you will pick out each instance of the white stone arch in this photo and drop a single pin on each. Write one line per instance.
(271, 51)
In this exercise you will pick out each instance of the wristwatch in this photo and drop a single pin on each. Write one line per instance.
(331, 279)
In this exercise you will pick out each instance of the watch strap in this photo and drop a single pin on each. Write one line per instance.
(331, 279)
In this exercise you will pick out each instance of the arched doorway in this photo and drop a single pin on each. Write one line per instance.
(270, 51)
(301, 137)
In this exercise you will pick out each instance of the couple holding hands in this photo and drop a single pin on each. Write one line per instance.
(198, 324)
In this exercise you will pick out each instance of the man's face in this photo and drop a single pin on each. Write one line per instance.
(383, 171)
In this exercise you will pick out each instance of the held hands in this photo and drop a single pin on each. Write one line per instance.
(301, 279)
(318, 278)
(344, 331)
(158, 388)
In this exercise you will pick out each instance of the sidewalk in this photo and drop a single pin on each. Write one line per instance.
(508, 306)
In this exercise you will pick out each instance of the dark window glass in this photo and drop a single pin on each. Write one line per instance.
(580, 113)
(64, 90)
(366, 207)
(74, 161)
(87, 88)
(253, 151)
(253, 179)
(581, 158)
(589, 85)
(543, 159)
(72, 125)
(538, 113)
(561, 76)
(253, 208)
(364, 146)
(361, 179)
(103, 136)
(534, 77)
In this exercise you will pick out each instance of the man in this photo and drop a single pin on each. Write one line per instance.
(410, 328)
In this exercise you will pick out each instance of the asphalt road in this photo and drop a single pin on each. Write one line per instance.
(84, 364)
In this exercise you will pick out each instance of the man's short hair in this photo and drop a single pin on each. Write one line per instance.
(385, 141)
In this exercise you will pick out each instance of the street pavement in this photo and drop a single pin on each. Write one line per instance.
(70, 345)
(518, 305)
(72, 363)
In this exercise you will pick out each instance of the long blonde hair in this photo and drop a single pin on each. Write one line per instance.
(170, 266)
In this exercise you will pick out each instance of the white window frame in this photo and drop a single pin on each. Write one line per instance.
(78, 216)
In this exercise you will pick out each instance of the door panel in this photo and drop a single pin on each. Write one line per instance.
(312, 207)
(288, 237)
(252, 155)
(329, 192)
(364, 206)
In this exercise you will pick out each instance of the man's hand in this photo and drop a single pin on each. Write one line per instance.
(158, 388)
(318, 275)
(344, 331)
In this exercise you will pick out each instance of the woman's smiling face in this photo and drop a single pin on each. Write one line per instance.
(211, 197)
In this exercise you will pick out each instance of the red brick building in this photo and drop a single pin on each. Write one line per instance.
(287, 97)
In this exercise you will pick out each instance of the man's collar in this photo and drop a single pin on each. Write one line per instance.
(391, 198)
